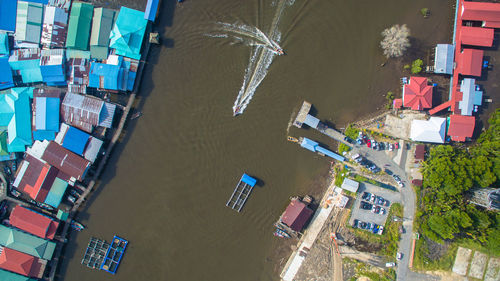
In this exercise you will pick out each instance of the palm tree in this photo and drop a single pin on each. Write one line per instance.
(396, 40)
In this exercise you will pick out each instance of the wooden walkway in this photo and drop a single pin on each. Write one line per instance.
(301, 116)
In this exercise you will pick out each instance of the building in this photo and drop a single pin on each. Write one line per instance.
(80, 20)
(33, 222)
(470, 62)
(128, 32)
(471, 97)
(350, 185)
(21, 263)
(461, 127)
(296, 215)
(78, 75)
(432, 130)
(417, 94)
(476, 36)
(443, 59)
(66, 161)
(79, 142)
(419, 153)
(15, 114)
(488, 198)
(6, 80)
(7, 275)
(53, 67)
(85, 112)
(28, 23)
(315, 147)
(45, 115)
(26, 64)
(117, 74)
(26, 243)
(55, 27)
(151, 10)
(487, 13)
(101, 28)
(8, 12)
(4, 44)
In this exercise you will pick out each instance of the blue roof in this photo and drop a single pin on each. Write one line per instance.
(53, 75)
(8, 13)
(128, 32)
(443, 58)
(478, 98)
(4, 43)
(151, 9)
(28, 69)
(248, 180)
(329, 153)
(6, 80)
(109, 73)
(309, 144)
(46, 118)
(75, 140)
(16, 110)
(45, 2)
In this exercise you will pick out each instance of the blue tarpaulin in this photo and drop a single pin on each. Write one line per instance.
(248, 180)
(8, 13)
(75, 140)
(151, 9)
(46, 118)
(309, 144)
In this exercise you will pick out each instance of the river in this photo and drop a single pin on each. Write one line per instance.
(167, 182)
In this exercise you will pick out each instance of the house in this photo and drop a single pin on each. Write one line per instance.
(115, 75)
(21, 263)
(128, 32)
(64, 160)
(417, 94)
(487, 13)
(15, 114)
(470, 62)
(78, 74)
(26, 243)
(79, 142)
(461, 127)
(151, 10)
(53, 67)
(4, 44)
(7, 275)
(432, 130)
(471, 97)
(350, 185)
(419, 153)
(296, 215)
(80, 20)
(63, 4)
(28, 24)
(443, 59)
(101, 28)
(477, 36)
(85, 112)
(33, 222)
(8, 12)
(26, 64)
(45, 115)
(55, 27)
(6, 80)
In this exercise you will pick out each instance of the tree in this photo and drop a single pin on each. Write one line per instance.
(416, 66)
(395, 40)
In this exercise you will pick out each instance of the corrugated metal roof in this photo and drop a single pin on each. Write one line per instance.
(56, 193)
(8, 12)
(26, 243)
(329, 153)
(107, 115)
(311, 121)
(443, 58)
(16, 115)
(151, 10)
(350, 185)
(80, 111)
(296, 215)
(75, 140)
(33, 222)
(468, 89)
(54, 28)
(92, 150)
(29, 22)
(7, 275)
(309, 144)
(26, 63)
(101, 28)
(16, 261)
(80, 20)
(46, 117)
(128, 32)
(6, 80)
(53, 67)
(66, 161)
(4, 44)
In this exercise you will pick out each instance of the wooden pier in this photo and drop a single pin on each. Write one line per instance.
(301, 116)
(241, 193)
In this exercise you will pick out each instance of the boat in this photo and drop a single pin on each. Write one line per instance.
(292, 139)
(236, 110)
(15, 193)
(77, 226)
(136, 115)
(46, 207)
(279, 51)
(281, 233)
(71, 199)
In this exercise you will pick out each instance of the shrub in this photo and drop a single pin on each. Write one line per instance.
(416, 66)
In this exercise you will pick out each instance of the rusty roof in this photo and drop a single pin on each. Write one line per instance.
(66, 161)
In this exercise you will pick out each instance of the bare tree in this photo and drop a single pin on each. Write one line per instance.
(395, 40)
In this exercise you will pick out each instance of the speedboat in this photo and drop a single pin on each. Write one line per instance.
(279, 51)
(77, 226)
(236, 110)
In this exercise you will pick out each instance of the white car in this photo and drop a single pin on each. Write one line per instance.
(399, 256)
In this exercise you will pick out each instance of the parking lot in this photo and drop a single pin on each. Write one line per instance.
(367, 215)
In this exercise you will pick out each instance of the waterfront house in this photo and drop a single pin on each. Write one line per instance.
(28, 24)
(128, 32)
(15, 114)
(296, 215)
(432, 130)
(26, 243)
(476, 36)
(78, 75)
(6, 80)
(4, 44)
(117, 74)
(79, 142)
(7, 275)
(8, 12)
(21, 263)
(443, 58)
(417, 94)
(101, 28)
(487, 13)
(33, 222)
(470, 62)
(55, 27)
(350, 185)
(25, 63)
(53, 67)
(85, 112)
(80, 21)
(63, 4)
(35, 177)
(151, 10)
(461, 127)
(66, 161)
(471, 97)
(45, 114)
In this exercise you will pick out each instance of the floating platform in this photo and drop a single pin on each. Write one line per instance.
(302, 115)
(95, 253)
(241, 192)
(114, 255)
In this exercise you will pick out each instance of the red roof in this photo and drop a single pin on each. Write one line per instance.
(461, 127)
(492, 24)
(18, 262)
(33, 179)
(417, 94)
(477, 36)
(480, 11)
(33, 222)
(296, 215)
(417, 182)
(470, 62)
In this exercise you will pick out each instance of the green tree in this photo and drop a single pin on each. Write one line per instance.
(416, 66)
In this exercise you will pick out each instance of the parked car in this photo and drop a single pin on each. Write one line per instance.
(386, 203)
(355, 223)
(364, 225)
(376, 170)
(380, 200)
(375, 228)
(372, 198)
(396, 145)
(365, 205)
(368, 143)
(7, 171)
(355, 156)
(366, 196)
(375, 209)
(391, 147)
(387, 171)
(381, 146)
(380, 230)
(381, 211)
(390, 264)
(399, 256)
(348, 139)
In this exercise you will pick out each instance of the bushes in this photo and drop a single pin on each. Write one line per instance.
(343, 148)
(416, 66)
(351, 132)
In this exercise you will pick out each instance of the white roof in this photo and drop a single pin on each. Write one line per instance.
(432, 130)
(350, 185)
(443, 59)
(468, 88)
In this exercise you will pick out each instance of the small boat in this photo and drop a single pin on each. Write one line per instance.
(292, 139)
(77, 226)
(136, 115)
(15, 193)
(281, 233)
(46, 207)
(236, 110)
(279, 51)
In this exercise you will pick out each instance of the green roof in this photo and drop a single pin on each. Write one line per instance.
(128, 33)
(29, 22)
(7, 275)
(3, 143)
(101, 27)
(15, 103)
(80, 21)
(26, 243)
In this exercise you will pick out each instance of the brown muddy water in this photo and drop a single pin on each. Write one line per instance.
(167, 183)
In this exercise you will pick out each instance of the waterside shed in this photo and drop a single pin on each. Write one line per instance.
(443, 59)
(296, 215)
(128, 32)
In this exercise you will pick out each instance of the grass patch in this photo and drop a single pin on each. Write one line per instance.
(360, 178)
(351, 132)
(423, 261)
(375, 274)
(340, 175)
(343, 148)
